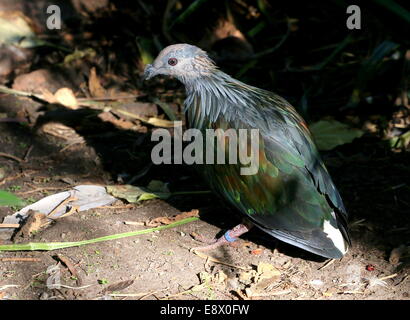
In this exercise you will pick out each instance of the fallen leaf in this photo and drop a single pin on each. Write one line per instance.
(33, 224)
(220, 277)
(66, 97)
(402, 141)
(267, 271)
(168, 220)
(118, 286)
(48, 96)
(330, 134)
(397, 253)
(135, 194)
(94, 85)
(247, 277)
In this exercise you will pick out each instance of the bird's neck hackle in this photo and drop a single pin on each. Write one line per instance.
(217, 95)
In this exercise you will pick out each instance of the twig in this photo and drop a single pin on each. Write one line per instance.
(10, 156)
(127, 206)
(9, 225)
(70, 267)
(28, 153)
(19, 175)
(140, 294)
(94, 104)
(108, 98)
(134, 223)
(402, 280)
(351, 292)
(38, 189)
(74, 209)
(62, 204)
(240, 294)
(328, 263)
(76, 288)
(389, 277)
(9, 286)
(20, 259)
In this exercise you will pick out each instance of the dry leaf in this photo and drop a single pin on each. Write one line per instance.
(267, 271)
(33, 224)
(94, 85)
(220, 277)
(118, 286)
(247, 277)
(168, 220)
(256, 251)
(48, 96)
(398, 253)
(66, 97)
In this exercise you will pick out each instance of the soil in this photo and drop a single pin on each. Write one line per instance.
(161, 265)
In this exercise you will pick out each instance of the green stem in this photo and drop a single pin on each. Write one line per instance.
(32, 246)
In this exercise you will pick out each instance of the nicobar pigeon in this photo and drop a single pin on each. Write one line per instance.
(292, 196)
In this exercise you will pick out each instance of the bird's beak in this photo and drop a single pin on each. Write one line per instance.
(149, 72)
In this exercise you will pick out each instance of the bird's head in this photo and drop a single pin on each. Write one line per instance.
(183, 61)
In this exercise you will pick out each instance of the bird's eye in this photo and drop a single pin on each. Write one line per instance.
(172, 61)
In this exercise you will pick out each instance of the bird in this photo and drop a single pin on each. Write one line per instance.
(291, 197)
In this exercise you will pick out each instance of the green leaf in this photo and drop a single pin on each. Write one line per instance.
(330, 134)
(8, 199)
(145, 48)
(401, 141)
(135, 194)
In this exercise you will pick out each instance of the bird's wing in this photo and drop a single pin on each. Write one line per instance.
(289, 142)
(292, 196)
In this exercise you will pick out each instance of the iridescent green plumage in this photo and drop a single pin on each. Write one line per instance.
(292, 196)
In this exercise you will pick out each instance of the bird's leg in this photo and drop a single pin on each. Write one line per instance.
(229, 237)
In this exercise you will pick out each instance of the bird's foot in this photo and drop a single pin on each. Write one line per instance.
(229, 237)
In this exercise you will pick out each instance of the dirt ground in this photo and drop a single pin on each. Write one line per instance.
(161, 265)
(58, 148)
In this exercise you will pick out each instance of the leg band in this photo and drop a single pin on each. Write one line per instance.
(228, 237)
